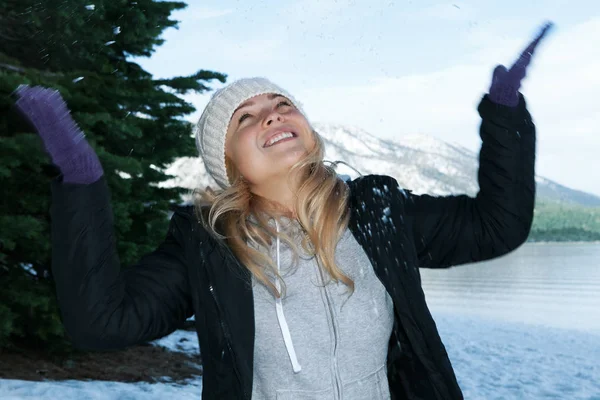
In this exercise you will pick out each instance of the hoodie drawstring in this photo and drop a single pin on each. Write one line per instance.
(285, 330)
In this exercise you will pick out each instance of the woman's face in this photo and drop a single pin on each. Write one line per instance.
(266, 136)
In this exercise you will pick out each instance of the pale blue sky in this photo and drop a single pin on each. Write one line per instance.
(397, 68)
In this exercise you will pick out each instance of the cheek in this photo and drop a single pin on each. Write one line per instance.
(236, 143)
(243, 153)
(303, 122)
(237, 154)
(245, 144)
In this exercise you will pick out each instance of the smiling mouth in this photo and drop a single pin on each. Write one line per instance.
(280, 137)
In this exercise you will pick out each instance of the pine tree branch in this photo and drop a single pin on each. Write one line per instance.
(4, 37)
(23, 70)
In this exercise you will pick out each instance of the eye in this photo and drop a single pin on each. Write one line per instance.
(283, 103)
(243, 118)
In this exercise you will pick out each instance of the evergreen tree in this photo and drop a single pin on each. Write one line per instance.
(556, 221)
(134, 122)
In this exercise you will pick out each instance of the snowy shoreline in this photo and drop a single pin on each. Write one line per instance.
(492, 359)
(565, 242)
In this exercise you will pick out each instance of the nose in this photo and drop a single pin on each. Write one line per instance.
(272, 117)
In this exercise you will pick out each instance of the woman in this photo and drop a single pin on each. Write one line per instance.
(303, 286)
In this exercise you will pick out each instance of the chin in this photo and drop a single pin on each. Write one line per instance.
(293, 157)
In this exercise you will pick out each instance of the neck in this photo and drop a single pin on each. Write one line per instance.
(280, 190)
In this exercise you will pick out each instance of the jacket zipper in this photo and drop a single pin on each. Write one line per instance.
(227, 339)
(336, 376)
(336, 372)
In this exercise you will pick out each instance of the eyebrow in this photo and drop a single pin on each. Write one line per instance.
(250, 102)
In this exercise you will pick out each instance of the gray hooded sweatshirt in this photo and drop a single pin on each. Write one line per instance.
(319, 342)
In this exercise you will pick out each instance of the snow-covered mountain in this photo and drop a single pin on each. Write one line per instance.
(421, 163)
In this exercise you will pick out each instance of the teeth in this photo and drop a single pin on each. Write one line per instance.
(278, 137)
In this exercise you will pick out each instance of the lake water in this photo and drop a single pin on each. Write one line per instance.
(501, 322)
(546, 284)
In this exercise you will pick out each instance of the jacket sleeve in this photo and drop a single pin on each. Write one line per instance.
(102, 306)
(453, 230)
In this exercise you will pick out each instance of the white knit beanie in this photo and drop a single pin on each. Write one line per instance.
(214, 121)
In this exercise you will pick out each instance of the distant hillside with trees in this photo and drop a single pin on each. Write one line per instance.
(562, 222)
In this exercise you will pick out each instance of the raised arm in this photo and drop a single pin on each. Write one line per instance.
(103, 307)
(459, 229)
(454, 230)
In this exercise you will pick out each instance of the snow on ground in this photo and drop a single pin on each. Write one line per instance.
(493, 360)
(182, 341)
(97, 390)
(499, 360)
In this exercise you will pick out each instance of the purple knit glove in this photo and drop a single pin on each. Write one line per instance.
(506, 83)
(46, 110)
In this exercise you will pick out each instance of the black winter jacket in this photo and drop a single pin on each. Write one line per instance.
(191, 273)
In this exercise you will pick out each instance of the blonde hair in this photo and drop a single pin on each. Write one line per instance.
(241, 218)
